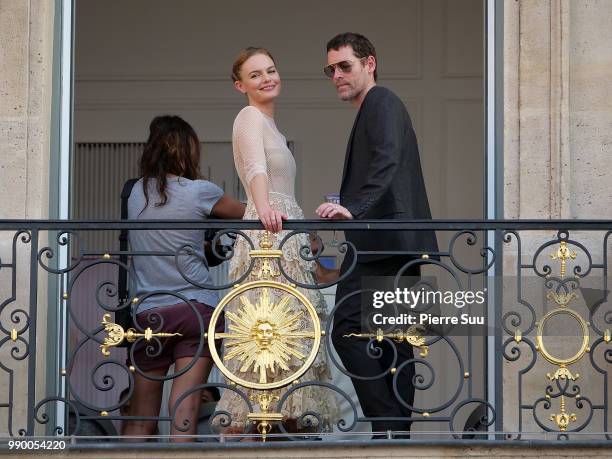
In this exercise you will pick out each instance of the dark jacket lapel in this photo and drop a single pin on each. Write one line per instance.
(349, 149)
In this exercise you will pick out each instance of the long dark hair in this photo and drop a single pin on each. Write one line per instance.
(173, 148)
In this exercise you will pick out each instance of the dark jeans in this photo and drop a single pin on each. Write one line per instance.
(376, 396)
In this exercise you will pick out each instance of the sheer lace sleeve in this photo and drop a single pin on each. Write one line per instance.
(249, 140)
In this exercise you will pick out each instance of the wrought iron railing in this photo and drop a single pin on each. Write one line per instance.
(536, 366)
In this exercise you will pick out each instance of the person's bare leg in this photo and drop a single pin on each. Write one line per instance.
(187, 411)
(146, 401)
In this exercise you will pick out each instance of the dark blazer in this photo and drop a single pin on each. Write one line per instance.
(382, 177)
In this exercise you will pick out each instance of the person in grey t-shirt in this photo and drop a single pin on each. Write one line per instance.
(187, 200)
(170, 189)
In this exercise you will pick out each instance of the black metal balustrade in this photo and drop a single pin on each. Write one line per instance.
(537, 368)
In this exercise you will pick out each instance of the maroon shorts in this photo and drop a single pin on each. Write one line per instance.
(178, 318)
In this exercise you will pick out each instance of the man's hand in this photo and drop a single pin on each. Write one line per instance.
(333, 211)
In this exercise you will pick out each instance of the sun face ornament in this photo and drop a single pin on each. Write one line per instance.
(274, 330)
(266, 336)
(266, 333)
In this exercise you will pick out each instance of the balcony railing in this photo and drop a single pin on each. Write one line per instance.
(532, 360)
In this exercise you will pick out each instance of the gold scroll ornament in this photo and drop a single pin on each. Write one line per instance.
(115, 335)
(563, 300)
(411, 336)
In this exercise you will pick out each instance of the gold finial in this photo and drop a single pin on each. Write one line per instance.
(425, 414)
(466, 375)
(563, 254)
(393, 371)
(265, 418)
(265, 268)
(425, 256)
(63, 372)
(563, 419)
(104, 413)
(65, 295)
(106, 256)
(132, 368)
(518, 336)
(264, 241)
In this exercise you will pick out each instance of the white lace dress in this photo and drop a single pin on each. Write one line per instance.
(259, 148)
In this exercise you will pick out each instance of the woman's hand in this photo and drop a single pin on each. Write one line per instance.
(272, 219)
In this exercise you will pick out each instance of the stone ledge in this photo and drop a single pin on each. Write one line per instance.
(379, 449)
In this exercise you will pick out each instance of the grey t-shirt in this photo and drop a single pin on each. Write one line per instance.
(187, 200)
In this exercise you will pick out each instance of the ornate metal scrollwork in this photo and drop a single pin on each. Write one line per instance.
(274, 334)
(565, 293)
(563, 299)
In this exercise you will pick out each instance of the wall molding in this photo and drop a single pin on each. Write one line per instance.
(288, 76)
(204, 104)
(444, 72)
(209, 103)
(560, 157)
(444, 124)
(203, 77)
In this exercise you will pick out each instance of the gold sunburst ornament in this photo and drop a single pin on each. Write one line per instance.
(265, 334)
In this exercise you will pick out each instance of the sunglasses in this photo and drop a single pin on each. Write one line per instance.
(343, 66)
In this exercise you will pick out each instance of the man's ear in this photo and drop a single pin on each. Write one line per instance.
(371, 63)
(239, 87)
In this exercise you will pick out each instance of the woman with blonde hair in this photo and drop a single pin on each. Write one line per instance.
(267, 171)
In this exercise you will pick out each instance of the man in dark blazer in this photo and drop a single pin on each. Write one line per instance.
(382, 179)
